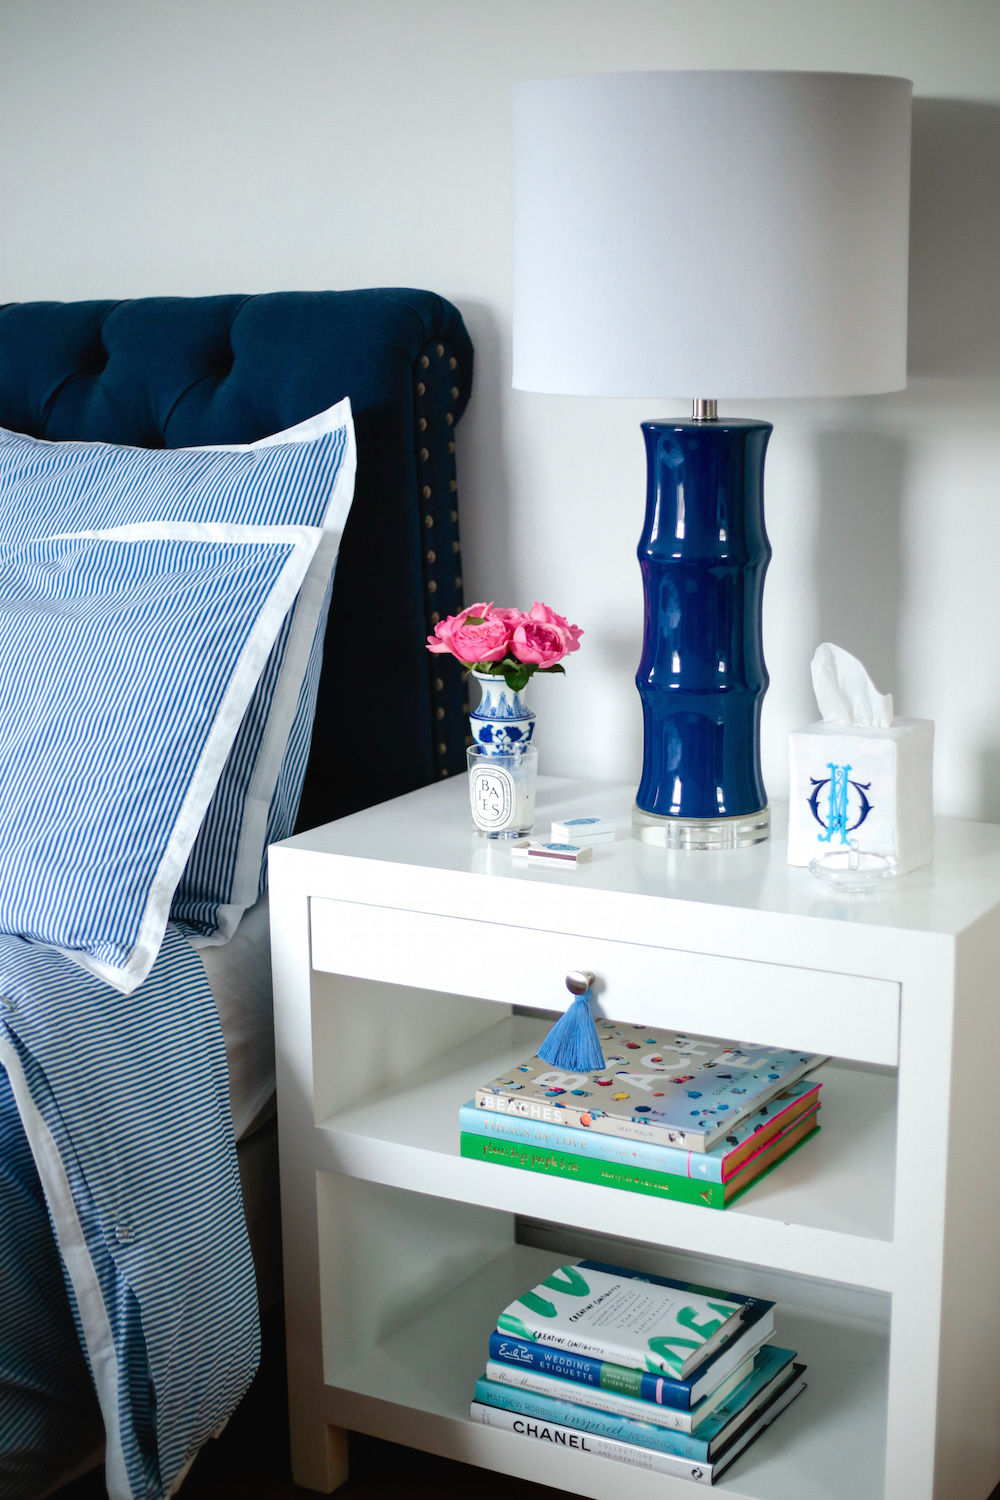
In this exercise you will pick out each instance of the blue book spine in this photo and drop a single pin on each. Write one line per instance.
(584, 1419)
(551, 1361)
(703, 1166)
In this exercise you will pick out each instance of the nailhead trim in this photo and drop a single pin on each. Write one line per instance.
(435, 394)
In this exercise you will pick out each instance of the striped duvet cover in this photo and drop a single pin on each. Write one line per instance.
(127, 1295)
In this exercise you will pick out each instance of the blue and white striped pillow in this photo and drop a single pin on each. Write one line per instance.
(128, 657)
(304, 476)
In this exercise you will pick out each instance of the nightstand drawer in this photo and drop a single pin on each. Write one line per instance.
(814, 1010)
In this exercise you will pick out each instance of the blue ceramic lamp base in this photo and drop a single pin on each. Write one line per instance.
(703, 555)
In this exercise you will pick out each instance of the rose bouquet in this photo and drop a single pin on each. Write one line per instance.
(505, 642)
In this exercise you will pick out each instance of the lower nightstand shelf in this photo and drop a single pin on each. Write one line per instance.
(415, 1388)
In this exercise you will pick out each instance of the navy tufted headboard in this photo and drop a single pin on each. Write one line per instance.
(185, 371)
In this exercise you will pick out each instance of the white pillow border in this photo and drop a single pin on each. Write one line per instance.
(274, 741)
(304, 542)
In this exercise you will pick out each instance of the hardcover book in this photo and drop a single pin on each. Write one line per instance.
(641, 1321)
(550, 1131)
(748, 1387)
(666, 1088)
(594, 1167)
(633, 1454)
(689, 1401)
(770, 1371)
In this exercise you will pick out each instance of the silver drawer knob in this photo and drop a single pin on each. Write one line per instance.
(579, 981)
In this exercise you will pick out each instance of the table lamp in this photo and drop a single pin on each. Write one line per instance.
(734, 234)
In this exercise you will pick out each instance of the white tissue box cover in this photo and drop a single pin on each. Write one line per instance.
(889, 802)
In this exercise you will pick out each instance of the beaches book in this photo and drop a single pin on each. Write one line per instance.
(644, 1322)
(582, 1158)
(684, 1403)
(664, 1088)
(769, 1371)
(635, 1455)
(750, 1383)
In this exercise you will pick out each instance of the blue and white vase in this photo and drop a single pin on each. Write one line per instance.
(501, 723)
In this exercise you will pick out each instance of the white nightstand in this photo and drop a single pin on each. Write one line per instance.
(400, 943)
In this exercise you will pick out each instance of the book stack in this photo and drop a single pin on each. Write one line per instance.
(676, 1116)
(642, 1369)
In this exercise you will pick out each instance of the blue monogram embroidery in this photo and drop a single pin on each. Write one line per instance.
(838, 817)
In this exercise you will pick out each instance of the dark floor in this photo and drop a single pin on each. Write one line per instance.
(250, 1459)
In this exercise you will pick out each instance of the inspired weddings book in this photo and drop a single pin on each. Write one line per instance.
(665, 1088)
(643, 1322)
(752, 1382)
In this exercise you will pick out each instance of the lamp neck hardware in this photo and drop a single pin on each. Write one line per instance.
(703, 410)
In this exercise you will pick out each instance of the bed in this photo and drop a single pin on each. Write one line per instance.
(206, 373)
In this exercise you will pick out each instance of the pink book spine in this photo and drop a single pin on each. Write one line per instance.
(730, 1171)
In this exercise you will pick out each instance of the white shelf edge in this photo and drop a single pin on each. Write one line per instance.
(505, 1453)
(801, 1249)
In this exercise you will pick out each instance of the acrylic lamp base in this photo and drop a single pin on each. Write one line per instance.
(701, 833)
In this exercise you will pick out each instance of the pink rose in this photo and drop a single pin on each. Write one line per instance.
(511, 617)
(478, 633)
(539, 644)
(549, 617)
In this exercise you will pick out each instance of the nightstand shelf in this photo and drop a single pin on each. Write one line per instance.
(400, 946)
(830, 1204)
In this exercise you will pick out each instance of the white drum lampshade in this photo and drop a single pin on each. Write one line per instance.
(709, 235)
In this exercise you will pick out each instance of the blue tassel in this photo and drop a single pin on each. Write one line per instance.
(572, 1044)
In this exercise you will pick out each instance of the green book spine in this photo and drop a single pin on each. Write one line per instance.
(590, 1169)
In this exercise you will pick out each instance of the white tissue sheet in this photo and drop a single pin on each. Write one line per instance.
(861, 773)
(845, 694)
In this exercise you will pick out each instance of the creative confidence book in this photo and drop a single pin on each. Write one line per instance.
(643, 1322)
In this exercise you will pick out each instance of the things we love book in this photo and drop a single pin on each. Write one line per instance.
(664, 1087)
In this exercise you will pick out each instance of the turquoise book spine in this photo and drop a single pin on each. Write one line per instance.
(584, 1419)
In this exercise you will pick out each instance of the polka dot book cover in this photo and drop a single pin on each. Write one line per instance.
(664, 1087)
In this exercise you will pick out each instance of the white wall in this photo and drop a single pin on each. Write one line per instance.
(181, 147)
